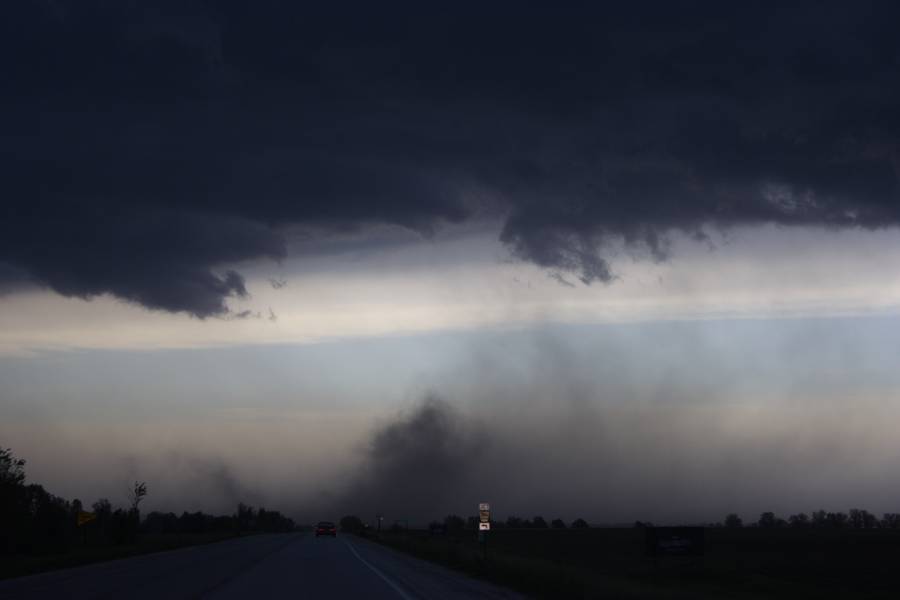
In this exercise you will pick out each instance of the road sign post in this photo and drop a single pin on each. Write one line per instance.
(484, 525)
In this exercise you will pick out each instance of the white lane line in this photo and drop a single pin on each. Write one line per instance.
(375, 570)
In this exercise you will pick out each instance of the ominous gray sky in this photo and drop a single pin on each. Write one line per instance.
(151, 146)
(612, 260)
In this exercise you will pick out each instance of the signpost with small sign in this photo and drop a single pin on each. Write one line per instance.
(484, 517)
(484, 525)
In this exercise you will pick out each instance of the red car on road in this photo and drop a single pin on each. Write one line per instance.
(326, 528)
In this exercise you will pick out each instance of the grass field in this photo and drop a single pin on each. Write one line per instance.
(611, 563)
(16, 566)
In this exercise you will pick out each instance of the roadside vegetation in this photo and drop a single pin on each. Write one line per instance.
(820, 555)
(42, 531)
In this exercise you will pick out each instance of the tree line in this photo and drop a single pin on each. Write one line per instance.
(855, 518)
(456, 523)
(34, 521)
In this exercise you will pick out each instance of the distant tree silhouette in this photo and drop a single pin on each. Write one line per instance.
(514, 522)
(136, 494)
(862, 519)
(352, 524)
(52, 527)
(13, 501)
(580, 524)
(102, 507)
(123, 526)
(891, 521)
(158, 522)
(103, 510)
(838, 520)
(769, 520)
(472, 523)
(539, 522)
(454, 523)
(870, 521)
(732, 520)
(34, 521)
(12, 469)
(819, 518)
(558, 524)
(245, 517)
(799, 520)
(272, 521)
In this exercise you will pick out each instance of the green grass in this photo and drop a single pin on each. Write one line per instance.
(610, 563)
(16, 566)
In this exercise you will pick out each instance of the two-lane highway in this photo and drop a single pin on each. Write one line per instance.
(264, 566)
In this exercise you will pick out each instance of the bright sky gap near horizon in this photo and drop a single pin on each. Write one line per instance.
(635, 269)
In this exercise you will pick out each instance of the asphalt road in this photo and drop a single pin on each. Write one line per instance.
(257, 567)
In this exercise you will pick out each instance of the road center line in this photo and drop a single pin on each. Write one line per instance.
(378, 572)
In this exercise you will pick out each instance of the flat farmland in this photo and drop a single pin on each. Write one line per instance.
(612, 562)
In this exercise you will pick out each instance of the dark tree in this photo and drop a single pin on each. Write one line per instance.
(14, 509)
(136, 494)
(102, 507)
(862, 519)
(245, 517)
(157, 522)
(352, 524)
(34, 521)
(768, 520)
(12, 469)
(539, 522)
(799, 520)
(838, 520)
(870, 521)
(732, 520)
(454, 523)
(558, 524)
(514, 522)
(49, 525)
(819, 518)
(272, 521)
(891, 521)
(580, 524)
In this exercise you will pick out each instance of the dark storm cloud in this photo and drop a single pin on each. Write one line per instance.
(420, 458)
(149, 145)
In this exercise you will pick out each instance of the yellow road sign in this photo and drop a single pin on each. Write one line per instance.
(85, 517)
